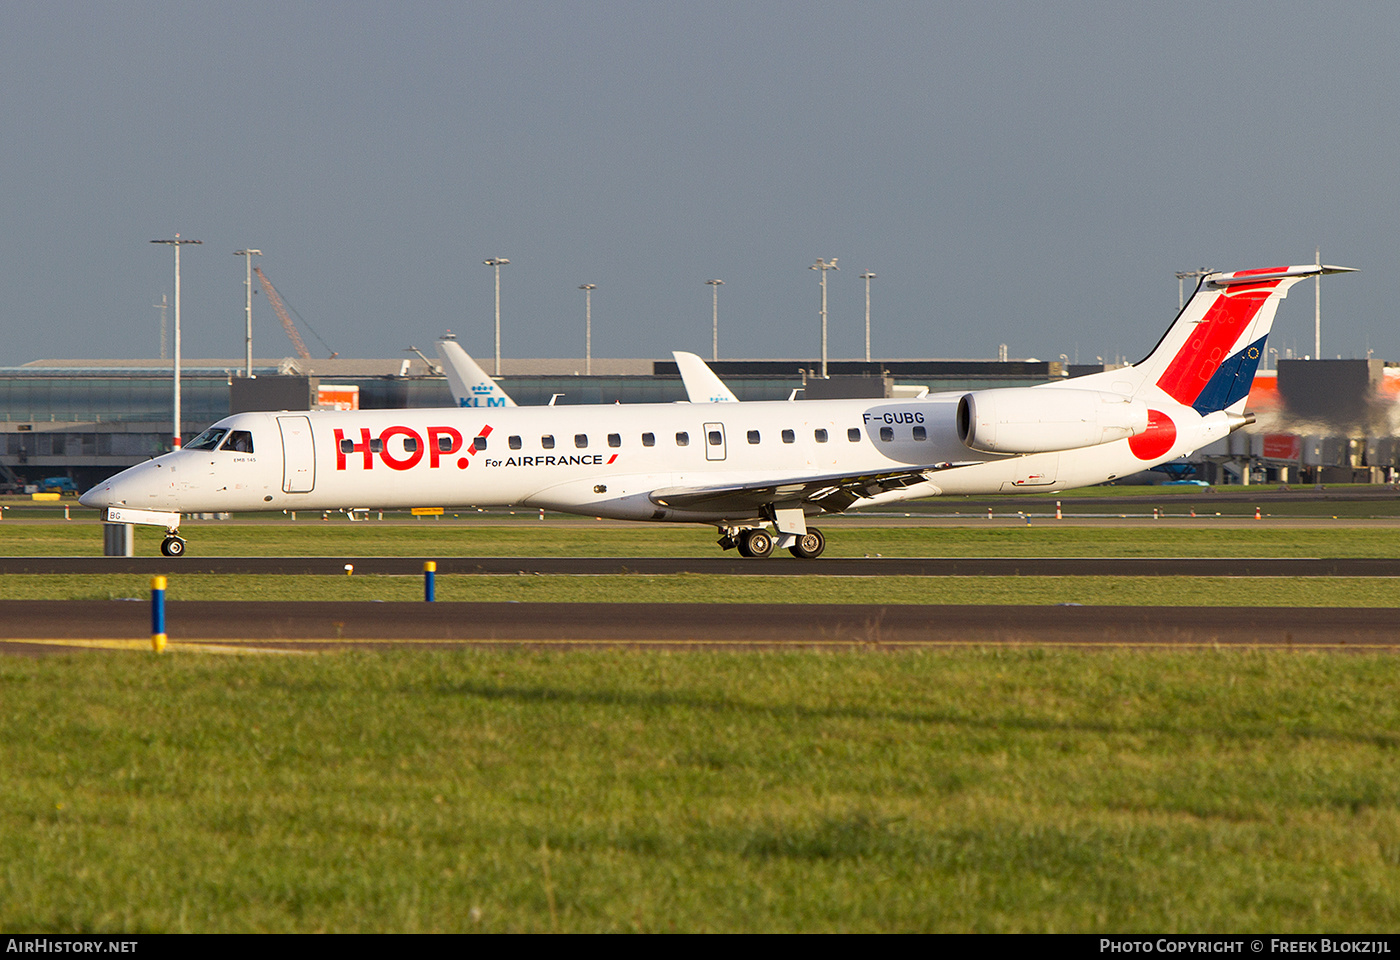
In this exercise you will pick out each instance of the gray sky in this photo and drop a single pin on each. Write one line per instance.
(1020, 173)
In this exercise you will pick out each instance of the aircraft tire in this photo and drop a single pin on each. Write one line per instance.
(756, 543)
(810, 546)
(172, 547)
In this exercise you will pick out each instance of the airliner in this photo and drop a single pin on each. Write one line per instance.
(756, 470)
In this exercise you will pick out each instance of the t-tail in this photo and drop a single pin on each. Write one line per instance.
(1207, 358)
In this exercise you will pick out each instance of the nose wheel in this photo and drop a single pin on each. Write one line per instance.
(172, 547)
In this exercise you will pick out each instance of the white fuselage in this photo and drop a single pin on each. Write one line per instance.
(603, 460)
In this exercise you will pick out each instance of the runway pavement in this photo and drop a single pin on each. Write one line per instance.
(727, 565)
(43, 626)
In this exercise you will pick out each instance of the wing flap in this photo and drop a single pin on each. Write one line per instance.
(833, 492)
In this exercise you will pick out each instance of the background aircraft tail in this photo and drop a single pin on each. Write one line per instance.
(471, 387)
(1208, 356)
(701, 383)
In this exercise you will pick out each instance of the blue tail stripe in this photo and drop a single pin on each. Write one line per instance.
(1232, 381)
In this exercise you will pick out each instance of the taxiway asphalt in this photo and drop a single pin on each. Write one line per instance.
(32, 627)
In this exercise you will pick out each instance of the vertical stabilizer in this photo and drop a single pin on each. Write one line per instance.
(1207, 358)
(471, 387)
(701, 383)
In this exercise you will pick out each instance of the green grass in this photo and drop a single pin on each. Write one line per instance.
(940, 791)
(702, 588)
(973, 538)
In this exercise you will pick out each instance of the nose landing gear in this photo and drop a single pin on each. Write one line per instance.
(172, 546)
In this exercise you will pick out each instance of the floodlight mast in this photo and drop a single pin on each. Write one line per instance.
(867, 276)
(824, 266)
(1188, 275)
(177, 243)
(496, 263)
(248, 256)
(588, 289)
(714, 335)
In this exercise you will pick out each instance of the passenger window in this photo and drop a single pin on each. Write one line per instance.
(853, 434)
(682, 439)
(445, 444)
(347, 445)
(648, 439)
(239, 441)
(716, 438)
(581, 440)
(376, 445)
(547, 442)
(479, 444)
(753, 436)
(887, 434)
(614, 439)
(789, 437)
(920, 433)
(819, 435)
(513, 442)
(410, 444)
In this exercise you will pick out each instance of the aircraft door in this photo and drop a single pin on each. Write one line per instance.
(298, 455)
(714, 441)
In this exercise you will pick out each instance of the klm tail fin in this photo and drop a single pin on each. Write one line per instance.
(471, 387)
(701, 383)
(1208, 357)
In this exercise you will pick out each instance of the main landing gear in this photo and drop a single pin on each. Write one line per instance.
(757, 543)
(172, 546)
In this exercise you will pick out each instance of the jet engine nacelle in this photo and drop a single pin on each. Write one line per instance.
(1025, 420)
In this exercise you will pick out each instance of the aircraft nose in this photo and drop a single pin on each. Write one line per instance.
(98, 496)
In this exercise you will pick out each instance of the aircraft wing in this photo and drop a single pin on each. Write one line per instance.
(833, 492)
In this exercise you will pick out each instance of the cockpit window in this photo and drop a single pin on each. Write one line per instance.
(207, 440)
(239, 441)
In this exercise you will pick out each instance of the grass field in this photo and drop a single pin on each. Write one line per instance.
(976, 790)
(971, 790)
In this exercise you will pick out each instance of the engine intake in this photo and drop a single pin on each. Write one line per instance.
(1022, 420)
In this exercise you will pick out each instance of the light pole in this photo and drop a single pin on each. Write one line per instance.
(177, 243)
(714, 336)
(164, 352)
(497, 263)
(867, 276)
(248, 256)
(1188, 275)
(824, 266)
(588, 289)
(1317, 310)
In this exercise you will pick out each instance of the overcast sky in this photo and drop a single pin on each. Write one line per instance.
(1023, 173)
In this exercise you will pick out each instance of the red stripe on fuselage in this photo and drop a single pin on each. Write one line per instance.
(1211, 340)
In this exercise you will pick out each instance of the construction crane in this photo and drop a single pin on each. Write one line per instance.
(280, 308)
